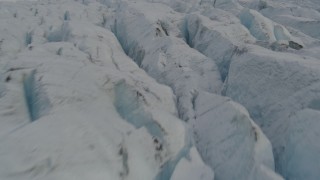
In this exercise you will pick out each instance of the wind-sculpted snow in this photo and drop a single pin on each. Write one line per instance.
(107, 89)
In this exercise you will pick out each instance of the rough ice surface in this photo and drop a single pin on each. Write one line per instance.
(211, 38)
(159, 89)
(299, 161)
(166, 58)
(275, 94)
(242, 147)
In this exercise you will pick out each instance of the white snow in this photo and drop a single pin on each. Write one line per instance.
(159, 89)
(79, 131)
(192, 168)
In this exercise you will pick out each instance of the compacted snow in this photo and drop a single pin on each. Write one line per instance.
(159, 89)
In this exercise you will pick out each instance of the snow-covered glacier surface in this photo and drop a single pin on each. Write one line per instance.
(159, 89)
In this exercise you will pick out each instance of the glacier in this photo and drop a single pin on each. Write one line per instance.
(159, 89)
